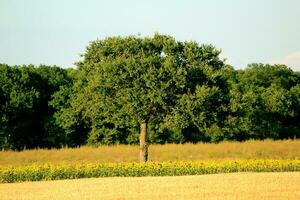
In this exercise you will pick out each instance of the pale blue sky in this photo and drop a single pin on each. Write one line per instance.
(58, 31)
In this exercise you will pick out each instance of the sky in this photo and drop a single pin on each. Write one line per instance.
(57, 32)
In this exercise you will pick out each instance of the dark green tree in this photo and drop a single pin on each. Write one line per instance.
(26, 119)
(52, 79)
(18, 97)
(262, 105)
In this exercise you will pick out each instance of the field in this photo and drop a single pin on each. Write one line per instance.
(38, 172)
(227, 171)
(165, 160)
(287, 149)
(234, 186)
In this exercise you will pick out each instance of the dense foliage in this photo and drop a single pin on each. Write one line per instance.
(39, 172)
(183, 90)
(26, 119)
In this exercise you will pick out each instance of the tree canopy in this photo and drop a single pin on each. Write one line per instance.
(181, 90)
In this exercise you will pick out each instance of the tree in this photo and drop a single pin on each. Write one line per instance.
(17, 101)
(26, 119)
(52, 79)
(263, 103)
(135, 83)
(68, 105)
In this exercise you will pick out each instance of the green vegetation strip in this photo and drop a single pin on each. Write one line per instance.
(39, 172)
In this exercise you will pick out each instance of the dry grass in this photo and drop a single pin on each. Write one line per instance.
(241, 186)
(288, 149)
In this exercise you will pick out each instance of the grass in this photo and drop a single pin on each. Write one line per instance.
(234, 186)
(286, 149)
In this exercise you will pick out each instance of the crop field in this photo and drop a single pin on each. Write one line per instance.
(233, 186)
(227, 170)
(165, 160)
(72, 171)
(268, 149)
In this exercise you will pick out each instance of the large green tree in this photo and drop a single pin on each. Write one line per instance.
(132, 83)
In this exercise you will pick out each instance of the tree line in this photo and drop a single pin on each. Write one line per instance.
(157, 88)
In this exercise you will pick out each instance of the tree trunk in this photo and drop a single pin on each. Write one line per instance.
(143, 142)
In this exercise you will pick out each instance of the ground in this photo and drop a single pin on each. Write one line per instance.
(241, 186)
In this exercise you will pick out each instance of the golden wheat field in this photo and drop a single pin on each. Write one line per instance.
(235, 186)
(268, 149)
(242, 185)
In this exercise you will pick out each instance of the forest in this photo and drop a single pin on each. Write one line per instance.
(179, 91)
